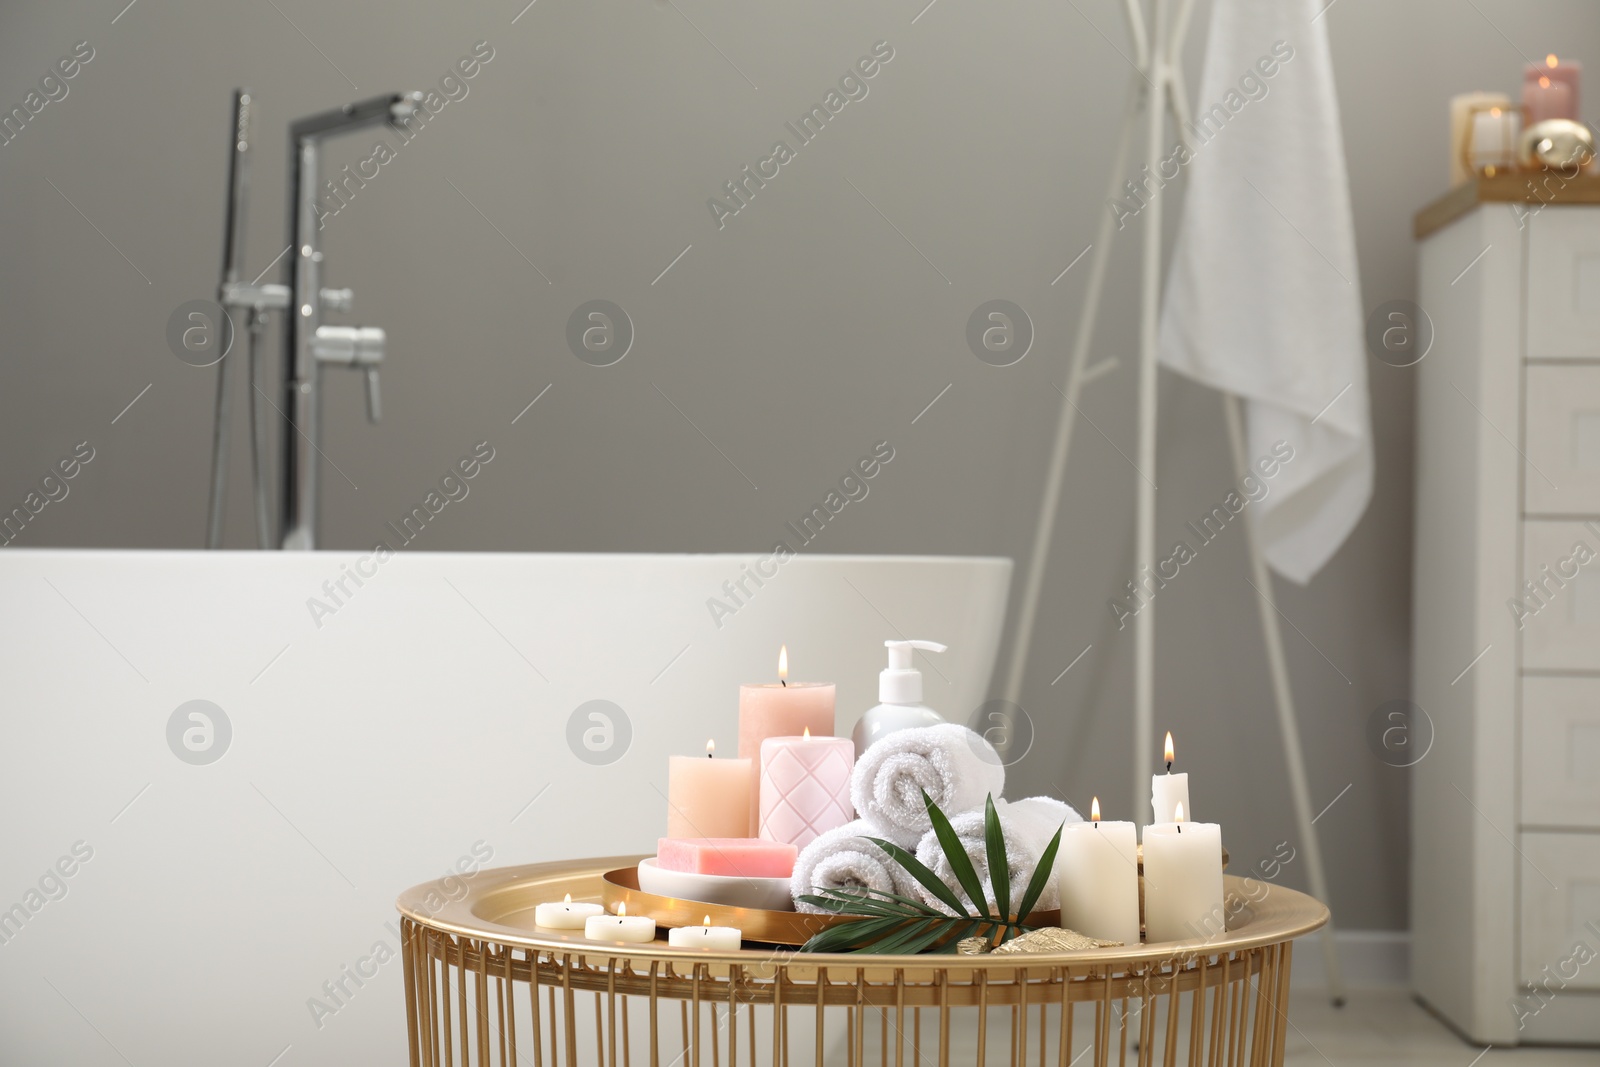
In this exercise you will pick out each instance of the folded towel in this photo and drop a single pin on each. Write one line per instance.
(1028, 826)
(842, 858)
(956, 766)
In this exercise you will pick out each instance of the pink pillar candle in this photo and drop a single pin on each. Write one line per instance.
(708, 797)
(779, 710)
(1568, 74)
(1544, 98)
(805, 787)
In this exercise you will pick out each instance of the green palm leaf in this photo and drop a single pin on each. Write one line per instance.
(883, 923)
(956, 856)
(994, 843)
(929, 881)
(1041, 875)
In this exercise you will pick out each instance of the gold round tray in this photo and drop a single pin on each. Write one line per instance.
(621, 886)
(498, 904)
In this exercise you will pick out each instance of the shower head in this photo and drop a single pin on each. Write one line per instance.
(392, 108)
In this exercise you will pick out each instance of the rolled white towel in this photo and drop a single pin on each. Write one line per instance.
(842, 858)
(1028, 826)
(957, 767)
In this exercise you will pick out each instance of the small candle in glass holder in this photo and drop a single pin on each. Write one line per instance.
(722, 938)
(1492, 147)
(620, 927)
(564, 914)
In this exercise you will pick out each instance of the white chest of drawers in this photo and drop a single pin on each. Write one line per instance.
(1505, 876)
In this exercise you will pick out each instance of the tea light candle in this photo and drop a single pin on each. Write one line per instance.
(564, 914)
(1183, 881)
(722, 938)
(620, 927)
(805, 787)
(1169, 790)
(779, 709)
(1097, 871)
(708, 797)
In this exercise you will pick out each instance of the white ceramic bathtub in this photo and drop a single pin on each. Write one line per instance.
(239, 910)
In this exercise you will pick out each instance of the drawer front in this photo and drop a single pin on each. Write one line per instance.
(1560, 876)
(1563, 441)
(1564, 284)
(1561, 752)
(1559, 616)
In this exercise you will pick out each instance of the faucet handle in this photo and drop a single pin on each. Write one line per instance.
(374, 407)
(337, 299)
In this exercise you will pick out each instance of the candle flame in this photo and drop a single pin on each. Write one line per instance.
(622, 909)
(567, 899)
(1544, 83)
(707, 922)
(1177, 812)
(808, 731)
(1550, 60)
(1094, 810)
(783, 663)
(1495, 112)
(711, 746)
(1168, 750)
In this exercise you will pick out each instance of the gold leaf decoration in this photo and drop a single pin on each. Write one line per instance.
(1051, 939)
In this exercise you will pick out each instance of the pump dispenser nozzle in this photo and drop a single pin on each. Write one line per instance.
(900, 704)
(902, 683)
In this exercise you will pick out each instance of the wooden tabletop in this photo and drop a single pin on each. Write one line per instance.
(1516, 187)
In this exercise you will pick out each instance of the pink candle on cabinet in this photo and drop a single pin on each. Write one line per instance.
(707, 797)
(1543, 99)
(805, 787)
(779, 709)
(1557, 73)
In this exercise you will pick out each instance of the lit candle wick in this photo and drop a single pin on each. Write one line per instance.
(711, 746)
(783, 666)
(1168, 753)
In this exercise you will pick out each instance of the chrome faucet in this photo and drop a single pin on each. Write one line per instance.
(308, 344)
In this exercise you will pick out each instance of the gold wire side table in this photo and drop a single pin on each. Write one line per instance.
(485, 987)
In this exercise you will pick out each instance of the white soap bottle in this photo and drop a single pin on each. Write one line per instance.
(900, 705)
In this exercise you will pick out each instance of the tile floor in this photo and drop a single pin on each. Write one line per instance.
(1380, 1028)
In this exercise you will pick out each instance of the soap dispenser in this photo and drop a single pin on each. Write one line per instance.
(900, 705)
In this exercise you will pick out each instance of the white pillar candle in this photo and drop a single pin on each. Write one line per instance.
(722, 938)
(620, 927)
(1168, 791)
(1097, 871)
(1183, 881)
(564, 914)
(805, 787)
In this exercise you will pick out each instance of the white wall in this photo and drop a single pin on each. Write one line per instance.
(794, 338)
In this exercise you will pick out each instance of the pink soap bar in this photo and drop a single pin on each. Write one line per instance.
(737, 857)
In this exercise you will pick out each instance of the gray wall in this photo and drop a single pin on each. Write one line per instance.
(805, 330)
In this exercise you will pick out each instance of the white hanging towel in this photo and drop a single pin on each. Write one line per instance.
(1263, 299)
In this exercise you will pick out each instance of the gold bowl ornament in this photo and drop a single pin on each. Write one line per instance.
(1559, 144)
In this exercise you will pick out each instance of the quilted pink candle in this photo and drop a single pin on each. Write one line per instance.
(779, 709)
(805, 787)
